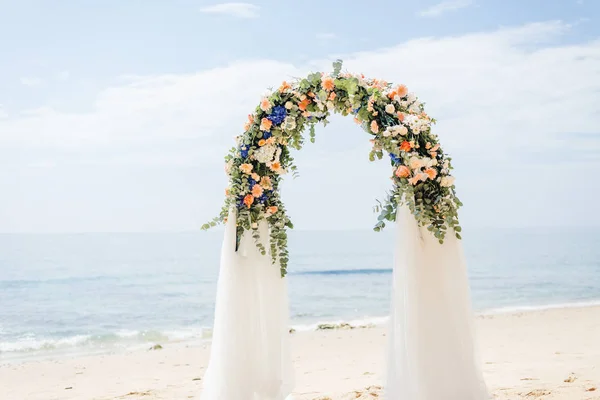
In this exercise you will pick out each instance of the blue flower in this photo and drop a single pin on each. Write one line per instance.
(263, 198)
(251, 182)
(395, 158)
(266, 135)
(277, 115)
(244, 151)
(356, 110)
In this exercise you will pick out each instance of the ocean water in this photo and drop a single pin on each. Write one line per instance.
(86, 293)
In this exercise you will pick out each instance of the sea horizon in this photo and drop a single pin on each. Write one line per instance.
(105, 292)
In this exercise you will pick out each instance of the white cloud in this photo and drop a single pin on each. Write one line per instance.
(239, 10)
(31, 81)
(63, 75)
(325, 36)
(515, 130)
(444, 7)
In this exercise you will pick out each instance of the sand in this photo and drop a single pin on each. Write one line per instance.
(550, 354)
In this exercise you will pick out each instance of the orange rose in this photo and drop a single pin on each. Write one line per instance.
(328, 84)
(265, 124)
(431, 173)
(402, 90)
(405, 146)
(257, 190)
(332, 96)
(262, 142)
(400, 116)
(248, 200)
(272, 209)
(403, 172)
(303, 104)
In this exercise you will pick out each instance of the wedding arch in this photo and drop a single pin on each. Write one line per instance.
(394, 118)
(431, 352)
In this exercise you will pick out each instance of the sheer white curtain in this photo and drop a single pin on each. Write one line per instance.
(432, 353)
(250, 358)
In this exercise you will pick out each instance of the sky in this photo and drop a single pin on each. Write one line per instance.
(115, 115)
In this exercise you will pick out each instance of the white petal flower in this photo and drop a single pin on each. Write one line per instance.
(390, 109)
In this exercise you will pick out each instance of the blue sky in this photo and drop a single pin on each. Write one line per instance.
(114, 114)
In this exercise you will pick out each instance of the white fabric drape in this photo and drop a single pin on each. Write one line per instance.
(432, 350)
(250, 358)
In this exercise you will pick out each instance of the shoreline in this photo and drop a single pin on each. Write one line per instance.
(547, 354)
(205, 334)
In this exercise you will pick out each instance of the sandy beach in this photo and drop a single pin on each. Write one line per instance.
(549, 354)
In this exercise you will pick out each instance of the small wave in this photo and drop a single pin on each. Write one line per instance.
(365, 271)
(117, 340)
(557, 306)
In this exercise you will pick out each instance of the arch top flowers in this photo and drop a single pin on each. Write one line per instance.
(398, 126)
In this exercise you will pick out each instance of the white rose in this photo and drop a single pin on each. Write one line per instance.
(447, 181)
(414, 162)
(330, 105)
(387, 133)
(289, 105)
(390, 109)
(265, 153)
(402, 130)
(411, 97)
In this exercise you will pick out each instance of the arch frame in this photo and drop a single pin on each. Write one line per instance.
(393, 117)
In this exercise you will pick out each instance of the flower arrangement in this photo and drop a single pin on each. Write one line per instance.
(394, 118)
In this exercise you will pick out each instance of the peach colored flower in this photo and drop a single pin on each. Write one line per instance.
(433, 154)
(249, 123)
(311, 94)
(332, 96)
(262, 142)
(275, 166)
(265, 124)
(431, 173)
(248, 200)
(400, 116)
(246, 168)
(428, 145)
(257, 190)
(303, 104)
(328, 83)
(227, 192)
(402, 90)
(414, 180)
(265, 182)
(255, 176)
(434, 148)
(272, 210)
(405, 146)
(284, 86)
(374, 126)
(403, 172)
(271, 140)
(356, 121)
(265, 104)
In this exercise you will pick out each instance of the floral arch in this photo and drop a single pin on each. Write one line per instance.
(397, 124)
